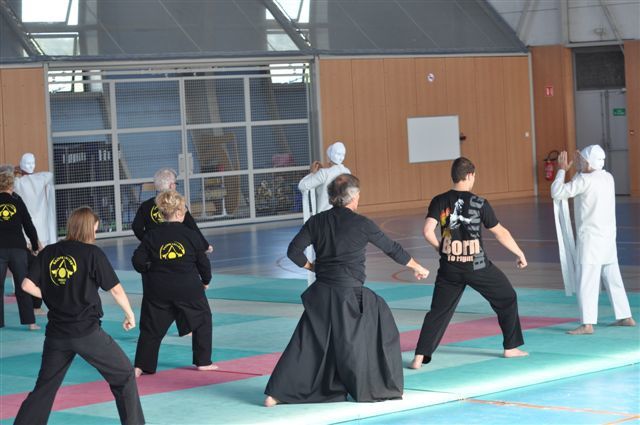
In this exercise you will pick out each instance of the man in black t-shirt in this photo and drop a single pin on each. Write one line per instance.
(463, 262)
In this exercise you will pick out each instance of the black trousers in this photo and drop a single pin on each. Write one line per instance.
(101, 352)
(37, 302)
(492, 284)
(15, 259)
(156, 317)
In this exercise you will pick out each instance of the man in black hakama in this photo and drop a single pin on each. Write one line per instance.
(346, 342)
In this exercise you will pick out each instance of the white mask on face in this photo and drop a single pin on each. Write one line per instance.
(28, 163)
(336, 153)
(594, 155)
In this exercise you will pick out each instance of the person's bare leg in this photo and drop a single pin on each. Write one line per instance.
(270, 401)
(582, 330)
(39, 312)
(417, 362)
(624, 322)
(514, 352)
(207, 368)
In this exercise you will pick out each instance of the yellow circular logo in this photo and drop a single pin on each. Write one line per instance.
(172, 251)
(61, 269)
(156, 215)
(7, 211)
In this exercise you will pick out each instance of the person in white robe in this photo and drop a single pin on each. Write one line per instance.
(37, 192)
(594, 256)
(315, 197)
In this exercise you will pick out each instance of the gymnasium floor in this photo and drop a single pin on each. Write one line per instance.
(256, 305)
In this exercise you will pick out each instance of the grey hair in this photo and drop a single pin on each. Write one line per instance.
(343, 189)
(6, 168)
(163, 178)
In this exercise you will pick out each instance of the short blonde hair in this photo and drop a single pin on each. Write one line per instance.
(169, 202)
(80, 226)
(6, 177)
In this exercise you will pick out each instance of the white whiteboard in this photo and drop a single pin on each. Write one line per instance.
(433, 138)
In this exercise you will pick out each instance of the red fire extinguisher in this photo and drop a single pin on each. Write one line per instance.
(549, 166)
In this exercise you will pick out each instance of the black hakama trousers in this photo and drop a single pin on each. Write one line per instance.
(346, 343)
(156, 317)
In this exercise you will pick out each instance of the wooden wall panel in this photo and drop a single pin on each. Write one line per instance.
(336, 99)
(24, 115)
(632, 74)
(432, 101)
(400, 96)
(555, 129)
(2, 156)
(370, 130)
(491, 161)
(518, 123)
(461, 101)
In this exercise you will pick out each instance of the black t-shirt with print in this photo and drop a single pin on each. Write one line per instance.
(173, 262)
(69, 274)
(460, 215)
(14, 217)
(149, 217)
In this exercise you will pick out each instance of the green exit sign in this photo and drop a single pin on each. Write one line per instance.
(619, 112)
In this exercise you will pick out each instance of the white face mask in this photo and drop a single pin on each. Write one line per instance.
(336, 153)
(28, 163)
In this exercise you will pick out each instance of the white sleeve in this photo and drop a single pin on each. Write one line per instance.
(561, 190)
(312, 180)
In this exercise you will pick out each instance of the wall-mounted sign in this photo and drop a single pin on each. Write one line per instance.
(619, 112)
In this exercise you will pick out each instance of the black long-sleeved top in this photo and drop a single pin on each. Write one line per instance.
(173, 261)
(339, 237)
(148, 217)
(14, 217)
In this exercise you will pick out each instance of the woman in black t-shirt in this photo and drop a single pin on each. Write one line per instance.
(14, 218)
(176, 272)
(67, 275)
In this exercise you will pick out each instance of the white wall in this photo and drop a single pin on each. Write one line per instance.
(586, 21)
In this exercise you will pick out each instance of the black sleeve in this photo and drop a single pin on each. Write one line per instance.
(27, 224)
(300, 242)
(103, 271)
(390, 247)
(140, 259)
(35, 270)
(434, 209)
(190, 222)
(488, 216)
(138, 223)
(204, 267)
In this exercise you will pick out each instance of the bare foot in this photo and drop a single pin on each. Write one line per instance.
(207, 368)
(270, 401)
(514, 352)
(417, 362)
(33, 327)
(138, 372)
(582, 330)
(189, 334)
(624, 322)
(39, 312)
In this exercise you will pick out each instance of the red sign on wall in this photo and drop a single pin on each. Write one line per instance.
(548, 91)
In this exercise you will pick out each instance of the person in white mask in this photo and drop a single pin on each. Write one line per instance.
(595, 255)
(320, 177)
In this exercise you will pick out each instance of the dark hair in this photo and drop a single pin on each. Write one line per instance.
(342, 189)
(460, 168)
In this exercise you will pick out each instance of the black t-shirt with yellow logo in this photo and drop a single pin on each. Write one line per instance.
(460, 215)
(148, 217)
(14, 217)
(173, 261)
(69, 274)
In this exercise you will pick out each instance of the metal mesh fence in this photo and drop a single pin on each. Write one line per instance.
(216, 128)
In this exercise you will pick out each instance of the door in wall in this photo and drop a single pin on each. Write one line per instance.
(601, 119)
